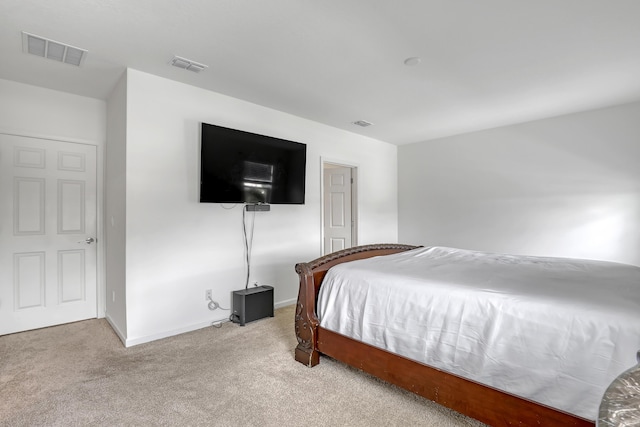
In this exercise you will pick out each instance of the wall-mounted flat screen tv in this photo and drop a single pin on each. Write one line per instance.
(243, 167)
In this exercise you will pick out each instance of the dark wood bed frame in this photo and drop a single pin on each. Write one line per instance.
(470, 398)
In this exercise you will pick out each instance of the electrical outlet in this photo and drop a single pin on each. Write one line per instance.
(208, 295)
(255, 283)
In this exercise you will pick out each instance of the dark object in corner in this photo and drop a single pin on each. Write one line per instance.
(252, 304)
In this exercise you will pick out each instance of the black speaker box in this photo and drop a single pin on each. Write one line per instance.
(252, 304)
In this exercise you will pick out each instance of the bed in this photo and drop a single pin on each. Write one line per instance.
(559, 382)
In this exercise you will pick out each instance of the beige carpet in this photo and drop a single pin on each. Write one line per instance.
(80, 374)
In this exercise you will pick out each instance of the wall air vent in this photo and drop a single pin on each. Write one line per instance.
(362, 123)
(188, 64)
(46, 48)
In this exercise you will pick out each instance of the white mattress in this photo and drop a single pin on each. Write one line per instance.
(553, 330)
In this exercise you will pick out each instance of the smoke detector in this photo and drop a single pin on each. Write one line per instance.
(362, 123)
(188, 64)
(51, 49)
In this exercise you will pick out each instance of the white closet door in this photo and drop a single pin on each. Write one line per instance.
(337, 209)
(48, 228)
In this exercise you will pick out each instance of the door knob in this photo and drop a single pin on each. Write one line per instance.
(88, 240)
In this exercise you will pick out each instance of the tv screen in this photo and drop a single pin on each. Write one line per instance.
(244, 167)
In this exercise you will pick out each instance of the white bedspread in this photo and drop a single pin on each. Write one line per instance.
(553, 330)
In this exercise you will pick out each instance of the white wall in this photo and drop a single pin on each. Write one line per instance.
(115, 208)
(566, 186)
(34, 111)
(176, 247)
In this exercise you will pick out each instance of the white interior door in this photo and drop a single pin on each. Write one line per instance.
(338, 221)
(48, 225)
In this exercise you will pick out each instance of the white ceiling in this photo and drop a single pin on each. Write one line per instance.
(485, 63)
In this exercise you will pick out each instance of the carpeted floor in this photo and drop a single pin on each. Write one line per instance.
(80, 374)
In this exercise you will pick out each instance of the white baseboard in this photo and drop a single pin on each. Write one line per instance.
(117, 330)
(166, 334)
(130, 342)
(285, 303)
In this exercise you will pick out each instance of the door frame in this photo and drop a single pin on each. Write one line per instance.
(355, 213)
(100, 247)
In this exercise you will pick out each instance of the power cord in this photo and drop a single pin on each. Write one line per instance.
(248, 241)
(213, 305)
(218, 324)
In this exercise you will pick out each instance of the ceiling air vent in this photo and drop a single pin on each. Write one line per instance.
(188, 64)
(362, 123)
(51, 49)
